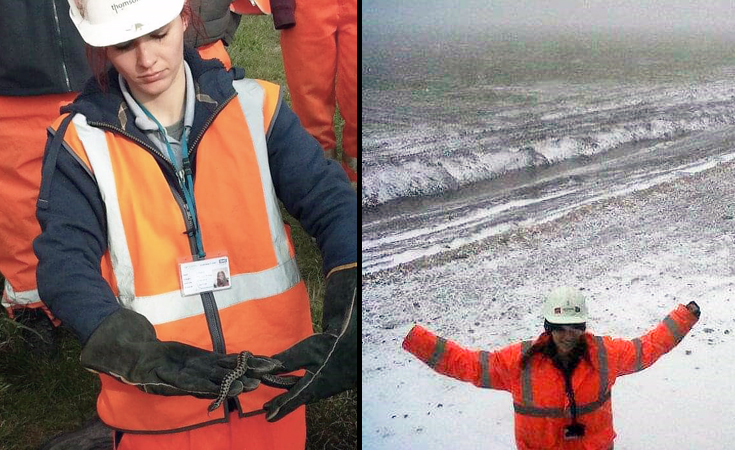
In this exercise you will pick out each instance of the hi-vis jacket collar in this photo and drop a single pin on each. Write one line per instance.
(108, 108)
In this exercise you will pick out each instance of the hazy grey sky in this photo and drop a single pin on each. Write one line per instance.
(714, 15)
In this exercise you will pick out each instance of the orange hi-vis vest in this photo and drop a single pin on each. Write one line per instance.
(540, 402)
(265, 311)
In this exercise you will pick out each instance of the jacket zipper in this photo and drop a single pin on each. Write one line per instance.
(208, 303)
(210, 306)
(178, 196)
(209, 121)
(60, 41)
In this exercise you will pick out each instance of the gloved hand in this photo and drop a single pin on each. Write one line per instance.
(694, 308)
(330, 358)
(125, 347)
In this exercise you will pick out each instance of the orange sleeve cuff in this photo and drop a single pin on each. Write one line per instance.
(420, 342)
(684, 317)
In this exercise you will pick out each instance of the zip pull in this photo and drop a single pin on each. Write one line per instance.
(182, 178)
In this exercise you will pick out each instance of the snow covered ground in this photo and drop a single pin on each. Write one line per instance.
(636, 257)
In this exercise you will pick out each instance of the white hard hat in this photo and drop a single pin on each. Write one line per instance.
(109, 22)
(565, 305)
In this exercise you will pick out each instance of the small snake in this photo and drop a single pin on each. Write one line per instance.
(224, 389)
(285, 382)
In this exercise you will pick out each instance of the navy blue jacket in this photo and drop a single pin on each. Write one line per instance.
(313, 189)
(42, 52)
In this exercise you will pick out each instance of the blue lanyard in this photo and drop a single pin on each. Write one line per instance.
(185, 178)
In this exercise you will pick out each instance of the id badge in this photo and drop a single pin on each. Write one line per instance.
(210, 274)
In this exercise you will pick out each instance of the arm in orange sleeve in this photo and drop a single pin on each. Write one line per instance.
(481, 368)
(640, 353)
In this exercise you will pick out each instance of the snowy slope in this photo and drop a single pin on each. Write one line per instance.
(636, 258)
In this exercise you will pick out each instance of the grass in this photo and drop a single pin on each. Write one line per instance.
(332, 423)
(41, 397)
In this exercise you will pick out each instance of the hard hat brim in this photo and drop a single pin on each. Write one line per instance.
(557, 320)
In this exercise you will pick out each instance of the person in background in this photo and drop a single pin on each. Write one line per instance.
(218, 27)
(183, 153)
(42, 67)
(561, 383)
(319, 47)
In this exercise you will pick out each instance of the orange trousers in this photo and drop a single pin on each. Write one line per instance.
(320, 60)
(23, 124)
(252, 433)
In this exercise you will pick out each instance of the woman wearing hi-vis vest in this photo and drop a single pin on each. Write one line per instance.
(164, 171)
(561, 382)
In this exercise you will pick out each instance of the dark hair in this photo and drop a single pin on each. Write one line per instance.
(97, 56)
(539, 346)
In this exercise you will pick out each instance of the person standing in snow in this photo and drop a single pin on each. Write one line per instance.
(561, 382)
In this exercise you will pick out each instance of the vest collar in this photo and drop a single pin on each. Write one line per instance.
(212, 86)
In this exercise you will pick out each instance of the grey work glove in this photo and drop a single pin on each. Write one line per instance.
(125, 347)
(694, 308)
(330, 358)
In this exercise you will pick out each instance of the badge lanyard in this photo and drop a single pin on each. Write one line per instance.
(185, 177)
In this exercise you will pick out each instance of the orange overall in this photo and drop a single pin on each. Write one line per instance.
(320, 60)
(23, 122)
(538, 388)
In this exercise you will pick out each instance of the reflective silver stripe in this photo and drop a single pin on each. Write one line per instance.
(95, 144)
(171, 306)
(526, 408)
(19, 297)
(587, 408)
(350, 161)
(251, 95)
(602, 361)
(526, 386)
(673, 329)
(485, 370)
(638, 354)
(438, 353)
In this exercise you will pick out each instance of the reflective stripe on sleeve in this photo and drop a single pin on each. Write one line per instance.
(438, 352)
(673, 329)
(15, 298)
(638, 354)
(526, 386)
(484, 370)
